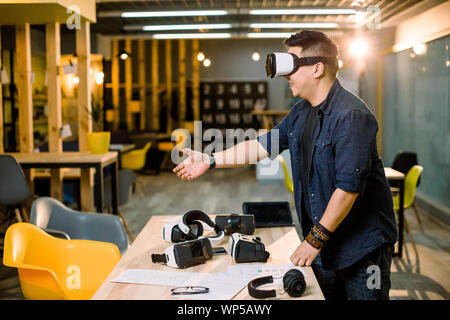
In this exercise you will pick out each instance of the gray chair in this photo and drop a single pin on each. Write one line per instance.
(14, 193)
(57, 219)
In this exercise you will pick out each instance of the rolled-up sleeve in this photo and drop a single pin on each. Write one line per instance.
(276, 140)
(354, 144)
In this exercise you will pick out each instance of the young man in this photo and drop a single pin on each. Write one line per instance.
(342, 197)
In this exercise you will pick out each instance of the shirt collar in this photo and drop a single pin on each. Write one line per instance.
(324, 106)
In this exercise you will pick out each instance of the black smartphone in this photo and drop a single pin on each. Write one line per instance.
(219, 250)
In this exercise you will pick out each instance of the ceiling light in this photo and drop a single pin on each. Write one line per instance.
(123, 55)
(256, 56)
(76, 80)
(200, 56)
(191, 35)
(269, 35)
(340, 63)
(301, 11)
(329, 25)
(187, 27)
(419, 48)
(206, 62)
(151, 14)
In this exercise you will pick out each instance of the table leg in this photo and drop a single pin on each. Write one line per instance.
(401, 219)
(99, 196)
(115, 188)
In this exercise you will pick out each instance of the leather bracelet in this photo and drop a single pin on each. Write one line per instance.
(314, 242)
(324, 230)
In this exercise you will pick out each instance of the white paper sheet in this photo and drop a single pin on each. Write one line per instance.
(222, 286)
(262, 269)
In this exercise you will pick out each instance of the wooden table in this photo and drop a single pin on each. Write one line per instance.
(280, 242)
(399, 178)
(82, 160)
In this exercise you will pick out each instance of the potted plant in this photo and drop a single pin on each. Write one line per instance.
(98, 141)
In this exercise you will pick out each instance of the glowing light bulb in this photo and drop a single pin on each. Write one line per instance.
(200, 56)
(256, 56)
(419, 48)
(206, 62)
(76, 80)
(358, 48)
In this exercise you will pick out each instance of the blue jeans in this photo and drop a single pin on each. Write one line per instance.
(367, 279)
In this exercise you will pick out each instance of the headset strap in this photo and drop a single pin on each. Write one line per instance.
(261, 294)
(159, 258)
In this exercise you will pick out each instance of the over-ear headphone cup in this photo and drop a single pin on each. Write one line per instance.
(294, 283)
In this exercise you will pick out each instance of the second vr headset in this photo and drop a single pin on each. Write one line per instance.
(283, 64)
(189, 227)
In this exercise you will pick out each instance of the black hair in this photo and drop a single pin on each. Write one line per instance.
(314, 43)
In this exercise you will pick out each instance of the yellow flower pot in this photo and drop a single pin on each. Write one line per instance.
(98, 142)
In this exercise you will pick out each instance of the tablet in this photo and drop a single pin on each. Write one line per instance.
(269, 214)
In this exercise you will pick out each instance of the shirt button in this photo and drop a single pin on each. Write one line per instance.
(290, 134)
(312, 194)
(315, 218)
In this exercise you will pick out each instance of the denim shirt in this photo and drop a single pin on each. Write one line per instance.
(344, 156)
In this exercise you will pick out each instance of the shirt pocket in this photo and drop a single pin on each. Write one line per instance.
(324, 150)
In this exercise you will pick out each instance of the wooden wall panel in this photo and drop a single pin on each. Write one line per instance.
(182, 81)
(155, 86)
(24, 87)
(2, 148)
(53, 52)
(83, 50)
(115, 82)
(169, 85)
(142, 84)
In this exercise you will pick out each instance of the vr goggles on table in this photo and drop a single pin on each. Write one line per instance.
(189, 227)
(240, 223)
(247, 249)
(186, 254)
(284, 64)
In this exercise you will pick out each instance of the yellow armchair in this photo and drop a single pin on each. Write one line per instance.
(51, 268)
(135, 159)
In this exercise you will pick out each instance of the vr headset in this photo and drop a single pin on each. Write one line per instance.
(185, 254)
(247, 249)
(189, 227)
(283, 64)
(293, 283)
(236, 223)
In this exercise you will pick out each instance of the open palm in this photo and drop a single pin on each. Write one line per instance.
(195, 165)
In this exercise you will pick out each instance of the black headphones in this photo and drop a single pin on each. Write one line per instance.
(293, 282)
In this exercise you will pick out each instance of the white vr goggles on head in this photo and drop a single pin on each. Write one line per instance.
(283, 64)
(189, 227)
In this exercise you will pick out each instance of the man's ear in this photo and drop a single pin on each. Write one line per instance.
(319, 70)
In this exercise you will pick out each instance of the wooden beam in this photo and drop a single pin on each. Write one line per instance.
(83, 43)
(182, 81)
(195, 80)
(155, 85)
(53, 52)
(24, 87)
(128, 84)
(169, 86)
(115, 82)
(2, 148)
(142, 88)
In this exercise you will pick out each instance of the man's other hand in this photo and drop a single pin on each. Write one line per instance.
(195, 165)
(304, 255)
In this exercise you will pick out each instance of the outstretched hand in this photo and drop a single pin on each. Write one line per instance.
(195, 165)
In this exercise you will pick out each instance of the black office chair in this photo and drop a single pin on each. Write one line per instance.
(403, 162)
(14, 192)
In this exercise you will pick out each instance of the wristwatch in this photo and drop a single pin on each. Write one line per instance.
(212, 161)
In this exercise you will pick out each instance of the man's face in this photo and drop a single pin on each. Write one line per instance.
(300, 81)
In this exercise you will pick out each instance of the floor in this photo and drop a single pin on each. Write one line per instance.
(423, 273)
